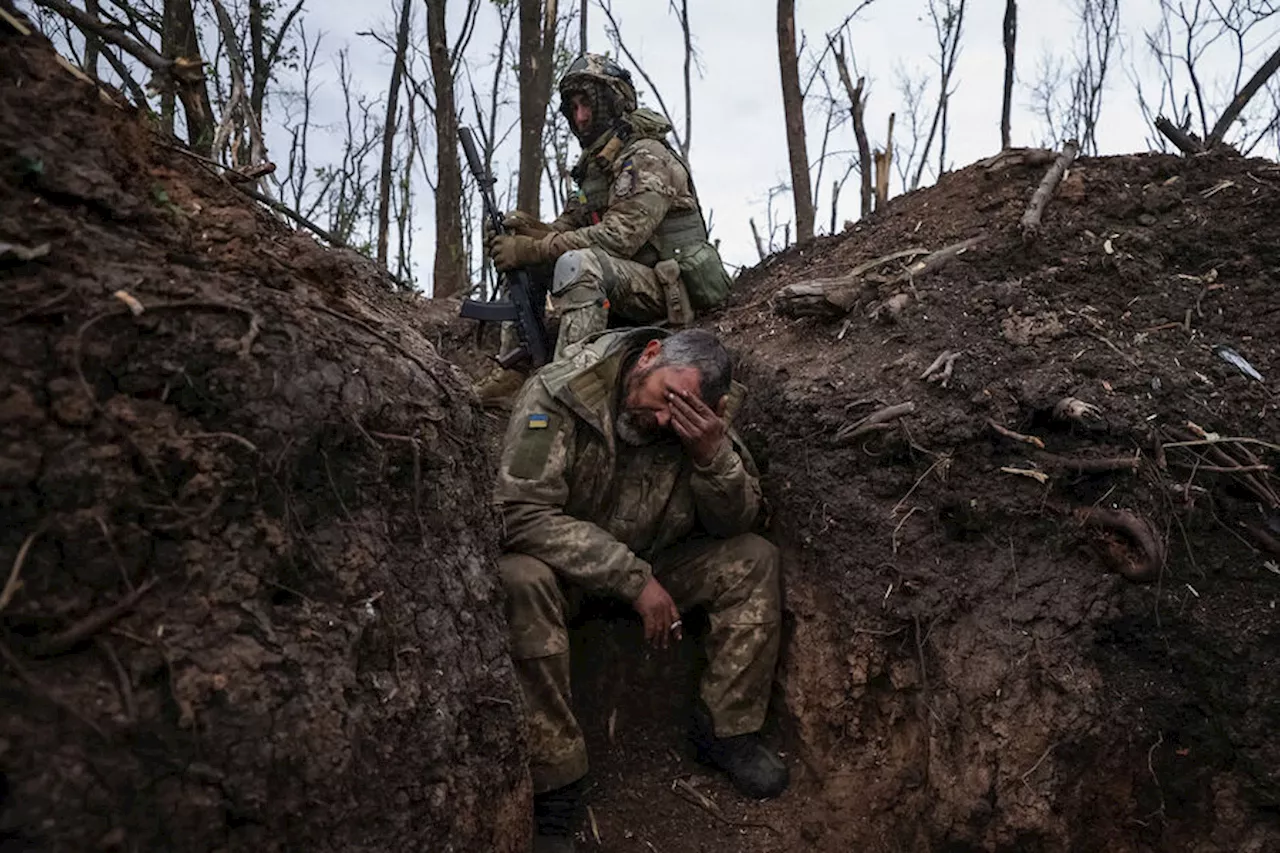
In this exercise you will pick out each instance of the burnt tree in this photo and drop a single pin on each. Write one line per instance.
(449, 272)
(537, 61)
(793, 107)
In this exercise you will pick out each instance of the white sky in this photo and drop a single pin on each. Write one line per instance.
(738, 142)
(739, 145)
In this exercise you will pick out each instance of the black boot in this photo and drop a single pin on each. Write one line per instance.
(555, 815)
(754, 769)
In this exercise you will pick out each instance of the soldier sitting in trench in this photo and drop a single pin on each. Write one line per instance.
(631, 246)
(621, 477)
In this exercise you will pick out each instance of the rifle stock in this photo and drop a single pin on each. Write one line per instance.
(524, 307)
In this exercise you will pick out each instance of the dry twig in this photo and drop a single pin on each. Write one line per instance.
(90, 625)
(693, 796)
(43, 692)
(1016, 436)
(14, 582)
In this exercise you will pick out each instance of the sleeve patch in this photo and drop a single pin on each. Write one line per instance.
(529, 461)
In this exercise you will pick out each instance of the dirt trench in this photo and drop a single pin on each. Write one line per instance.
(257, 607)
(978, 658)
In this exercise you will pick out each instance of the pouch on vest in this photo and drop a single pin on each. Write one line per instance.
(679, 306)
(703, 274)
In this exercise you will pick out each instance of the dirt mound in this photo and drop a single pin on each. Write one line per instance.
(245, 541)
(967, 669)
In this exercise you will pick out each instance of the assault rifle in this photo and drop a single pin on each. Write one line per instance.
(526, 301)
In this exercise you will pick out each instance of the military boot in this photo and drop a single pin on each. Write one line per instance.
(754, 769)
(555, 817)
(499, 387)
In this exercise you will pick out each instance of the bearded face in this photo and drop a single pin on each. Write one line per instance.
(644, 415)
(637, 425)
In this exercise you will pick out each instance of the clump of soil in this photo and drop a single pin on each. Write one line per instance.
(245, 542)
(968, 666)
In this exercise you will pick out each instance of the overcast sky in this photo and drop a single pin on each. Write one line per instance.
(739, 148)
(738, 142)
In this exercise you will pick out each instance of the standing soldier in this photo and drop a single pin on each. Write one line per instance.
(631, 244)
(621, 477)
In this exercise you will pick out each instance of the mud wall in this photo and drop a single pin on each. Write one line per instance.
(243, 520)
(965, 669)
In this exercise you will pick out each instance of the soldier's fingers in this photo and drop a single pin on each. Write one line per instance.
(695, 402)
(685, 424)
(682, 425)
(687, 415)
(681, 401)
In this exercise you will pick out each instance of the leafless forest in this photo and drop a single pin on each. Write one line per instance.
(268, 94)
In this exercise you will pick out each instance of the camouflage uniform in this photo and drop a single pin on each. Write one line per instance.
(585, 512)
(605, 254)
(635, 206)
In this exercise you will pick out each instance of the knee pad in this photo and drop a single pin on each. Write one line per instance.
(576, 266)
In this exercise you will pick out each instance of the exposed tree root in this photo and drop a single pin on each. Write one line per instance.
(1143, 567)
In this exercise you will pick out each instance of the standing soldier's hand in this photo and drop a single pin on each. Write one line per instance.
(512, 251)
(661, 618)
(519, 222)
(701, 429)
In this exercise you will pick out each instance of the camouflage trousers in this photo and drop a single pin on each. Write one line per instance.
(735, 580)
(588, 286)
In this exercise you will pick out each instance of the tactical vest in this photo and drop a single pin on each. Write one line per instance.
(682, 235)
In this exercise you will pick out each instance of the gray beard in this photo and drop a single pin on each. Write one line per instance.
(628, 428)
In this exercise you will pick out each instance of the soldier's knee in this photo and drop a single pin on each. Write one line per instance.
(758, 552)
(524, 577)
(747, 579)
(577, 273)
(535, 607)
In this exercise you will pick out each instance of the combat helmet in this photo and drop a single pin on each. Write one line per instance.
(605, 84)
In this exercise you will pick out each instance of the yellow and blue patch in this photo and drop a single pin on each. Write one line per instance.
(539, 421)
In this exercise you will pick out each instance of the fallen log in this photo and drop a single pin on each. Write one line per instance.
(835, 296)
(1017, 157)
(1030, 223)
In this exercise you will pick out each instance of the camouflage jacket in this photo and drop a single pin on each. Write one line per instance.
(594, 508)
(626, 189)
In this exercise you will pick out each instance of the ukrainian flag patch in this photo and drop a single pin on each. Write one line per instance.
(539, 421)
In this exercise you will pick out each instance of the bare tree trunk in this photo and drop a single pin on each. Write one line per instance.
(884, 161)
(191, 91)
(389, 129)
(856, 108)
(92, 44)
(537, 58)
(1242, 98)
(449, 274)
(793, 106)
(755, 233)
(168, 47)
(1010, 40)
